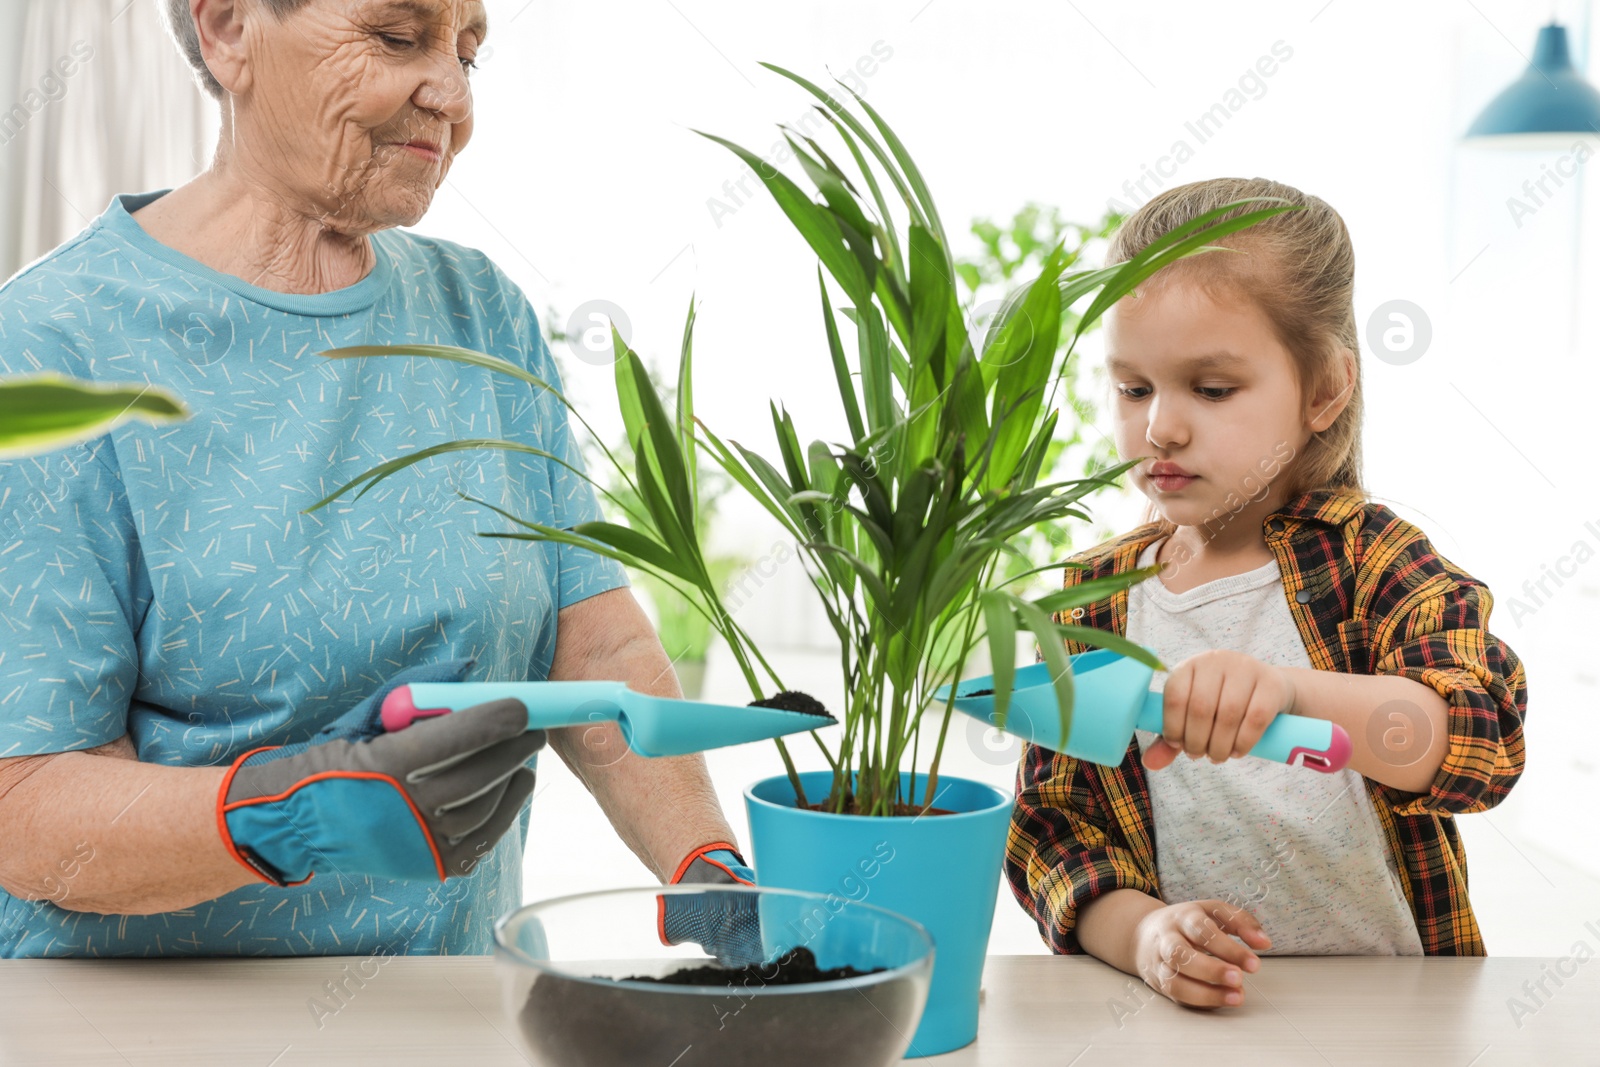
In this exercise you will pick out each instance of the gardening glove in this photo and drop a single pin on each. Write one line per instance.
(715, 864)
(423, 804)
(726, 925)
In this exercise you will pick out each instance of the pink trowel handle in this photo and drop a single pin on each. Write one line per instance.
(1329, 760)
(399, 710)
(1298, 740)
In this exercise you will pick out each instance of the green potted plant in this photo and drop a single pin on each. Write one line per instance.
(904, 527)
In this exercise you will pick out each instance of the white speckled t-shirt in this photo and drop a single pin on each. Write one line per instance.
(162, 582)
(1301, 851)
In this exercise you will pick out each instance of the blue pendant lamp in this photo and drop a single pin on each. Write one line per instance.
(1546, 106)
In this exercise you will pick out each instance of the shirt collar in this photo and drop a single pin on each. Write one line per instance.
(1332, 507)
(118, 221)
(1329, 507)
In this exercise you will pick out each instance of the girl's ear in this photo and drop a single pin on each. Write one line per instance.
(1326, 408)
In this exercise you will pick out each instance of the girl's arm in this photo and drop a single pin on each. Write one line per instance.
(1399, 728)
(1106, 924)
(1430, 645)
(1065, 849)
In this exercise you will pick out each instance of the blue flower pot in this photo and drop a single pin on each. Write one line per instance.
(942, 871)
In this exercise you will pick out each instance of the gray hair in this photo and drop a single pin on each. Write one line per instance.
(180, 24)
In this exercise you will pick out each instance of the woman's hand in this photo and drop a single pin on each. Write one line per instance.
(1185, 953)
(1218, 704)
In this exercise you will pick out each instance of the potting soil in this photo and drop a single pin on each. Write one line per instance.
(794, 967)
(588, 1022)
(794, 700)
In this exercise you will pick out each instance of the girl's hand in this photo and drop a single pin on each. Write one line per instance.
(1218, 704)
(1185, 953)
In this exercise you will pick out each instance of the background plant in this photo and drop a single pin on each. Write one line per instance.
(902, 526)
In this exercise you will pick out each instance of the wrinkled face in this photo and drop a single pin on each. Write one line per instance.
(1206, 386)
(338, 91)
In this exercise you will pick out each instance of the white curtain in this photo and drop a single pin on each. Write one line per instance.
(106, 105)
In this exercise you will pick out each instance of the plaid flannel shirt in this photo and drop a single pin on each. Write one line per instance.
(1377, 600)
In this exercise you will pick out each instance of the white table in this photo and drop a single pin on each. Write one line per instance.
(1038, 1010)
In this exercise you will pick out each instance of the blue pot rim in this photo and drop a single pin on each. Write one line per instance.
(1003, 799)
(550, 967)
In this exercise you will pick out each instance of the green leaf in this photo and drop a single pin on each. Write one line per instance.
(1187, 239)
(913, 175)
(818, 226)
(779, 489)
(735, 468)
(841, 200)
(870, 579)
(1055, 655)
(932, 303)
(1094, 590)
(446, 352)
(841, 369)
(44, 412)
(1033, 457)
(794, 462)
(685, 424)
(662, 461)
(837, 109)
(640, 550)
(374, 475)
(1001, 622)
(1019, 365)
(453, 354)
(894, 262)
(1088, 635)
(676, 530)
(877, 378)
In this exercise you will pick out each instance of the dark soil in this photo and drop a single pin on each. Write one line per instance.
(588, 1023)
(793, 700)
(977, 693)
(793, 968)
(901, 810)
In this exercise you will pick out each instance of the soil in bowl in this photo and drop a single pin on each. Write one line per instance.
(599, 1022)
(795, 967)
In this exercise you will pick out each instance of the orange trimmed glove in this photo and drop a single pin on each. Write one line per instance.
(726, 925)
(422, 804)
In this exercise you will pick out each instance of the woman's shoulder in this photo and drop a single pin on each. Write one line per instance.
(44, 305)
(76, 265)
(467, 275)
(449, 259)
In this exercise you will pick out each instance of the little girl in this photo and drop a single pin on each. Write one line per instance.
(1281, 588)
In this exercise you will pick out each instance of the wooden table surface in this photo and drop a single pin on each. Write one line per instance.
(1051, 1011)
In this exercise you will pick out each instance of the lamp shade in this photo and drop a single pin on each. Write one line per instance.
(1548, 103)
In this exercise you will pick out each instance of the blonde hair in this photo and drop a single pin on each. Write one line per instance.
(1298, 267)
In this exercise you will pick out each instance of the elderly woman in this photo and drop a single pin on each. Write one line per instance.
(191, 666)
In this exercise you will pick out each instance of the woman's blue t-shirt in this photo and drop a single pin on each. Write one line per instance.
(161, 582)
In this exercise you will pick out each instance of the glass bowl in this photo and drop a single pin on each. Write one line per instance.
(575, 978)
